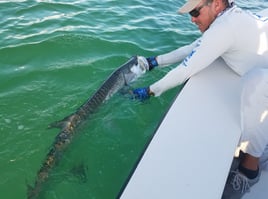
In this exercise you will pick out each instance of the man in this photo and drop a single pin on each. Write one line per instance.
(241, 40)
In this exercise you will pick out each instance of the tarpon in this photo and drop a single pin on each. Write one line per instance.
(125, 74)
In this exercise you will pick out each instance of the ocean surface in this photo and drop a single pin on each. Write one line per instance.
(53, 56)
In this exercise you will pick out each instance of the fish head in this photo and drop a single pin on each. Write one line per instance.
(140, 67)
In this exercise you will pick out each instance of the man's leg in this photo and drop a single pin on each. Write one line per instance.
(254, 139)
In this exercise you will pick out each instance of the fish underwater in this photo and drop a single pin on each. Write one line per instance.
(121, 77)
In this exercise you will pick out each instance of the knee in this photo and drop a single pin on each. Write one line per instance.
(252, 79)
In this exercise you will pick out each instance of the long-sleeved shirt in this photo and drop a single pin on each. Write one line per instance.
(239, 37)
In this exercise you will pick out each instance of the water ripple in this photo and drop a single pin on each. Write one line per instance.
(53, 55)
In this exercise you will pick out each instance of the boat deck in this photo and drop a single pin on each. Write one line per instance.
(191, 152)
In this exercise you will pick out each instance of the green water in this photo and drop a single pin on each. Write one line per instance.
(53, 56)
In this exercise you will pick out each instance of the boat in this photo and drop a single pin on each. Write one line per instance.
(191, 151)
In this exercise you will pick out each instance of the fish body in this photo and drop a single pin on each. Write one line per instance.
(125, 74)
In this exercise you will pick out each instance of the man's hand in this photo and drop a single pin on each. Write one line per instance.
(141, 93)
(152, 62)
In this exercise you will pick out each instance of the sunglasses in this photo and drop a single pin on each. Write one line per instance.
(196, 12)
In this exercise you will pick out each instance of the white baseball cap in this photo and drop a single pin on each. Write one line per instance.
(189, 6)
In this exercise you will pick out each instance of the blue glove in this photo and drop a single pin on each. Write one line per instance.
(141, 93)
(152, 62)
